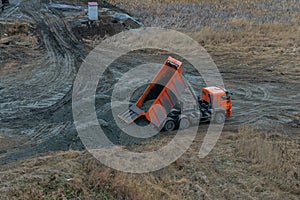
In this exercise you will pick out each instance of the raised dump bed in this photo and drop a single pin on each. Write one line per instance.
(162, 94)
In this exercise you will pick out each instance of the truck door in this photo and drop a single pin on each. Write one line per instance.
(210, 100)
(213, 101)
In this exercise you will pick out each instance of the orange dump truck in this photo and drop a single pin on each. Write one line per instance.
(164, 94)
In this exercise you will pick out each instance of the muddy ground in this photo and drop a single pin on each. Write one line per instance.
(42, 45)
(40, 54)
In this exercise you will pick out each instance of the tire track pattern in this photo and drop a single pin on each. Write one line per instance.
(29, 99)
(263, 104)
(52, 79)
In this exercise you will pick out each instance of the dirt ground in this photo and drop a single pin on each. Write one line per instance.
(255, 45)
(40, 54)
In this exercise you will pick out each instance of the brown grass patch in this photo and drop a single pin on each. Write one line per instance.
(274, 156)
(244, 165)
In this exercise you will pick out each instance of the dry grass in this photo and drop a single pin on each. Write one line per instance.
(244, 165)
(20, 37)
(71, 175)
(275, 156)
(15, 28)
(259, 27)
(192, 15)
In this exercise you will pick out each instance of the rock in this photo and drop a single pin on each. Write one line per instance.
(259, 189)
(200, 176)
(201, 193)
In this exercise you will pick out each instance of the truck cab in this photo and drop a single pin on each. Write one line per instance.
(214, 105)
(216, 102)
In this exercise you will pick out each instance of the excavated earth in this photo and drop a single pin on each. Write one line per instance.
(42, 45)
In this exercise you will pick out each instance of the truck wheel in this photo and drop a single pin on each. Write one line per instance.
(184, 123)
(220, 118)
(169, 125)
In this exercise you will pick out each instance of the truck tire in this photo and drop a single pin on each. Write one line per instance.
(220, 118)
(169, 125)
(184, 123)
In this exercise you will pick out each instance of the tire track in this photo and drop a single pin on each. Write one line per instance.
(51, 81)
(262, 103)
